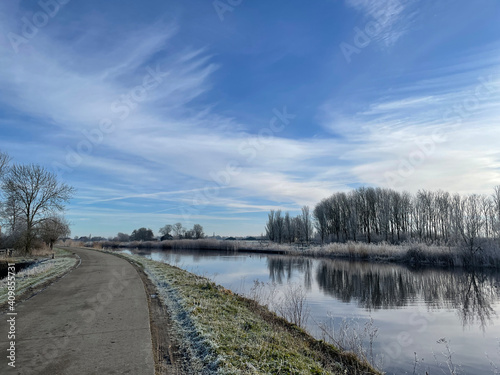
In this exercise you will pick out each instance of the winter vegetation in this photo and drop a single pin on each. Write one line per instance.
(183, 244)
(286, 229)
(228, 334)
(412, 254)
(39, 272)
(426, 227)
(178, 231)
(31, 200)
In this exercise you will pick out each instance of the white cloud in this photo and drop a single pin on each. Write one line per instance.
(392, 17)
(445, 139)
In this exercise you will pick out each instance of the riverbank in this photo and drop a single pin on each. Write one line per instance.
(412, 254)
(42, 271)
(229, 334)
(409, 254)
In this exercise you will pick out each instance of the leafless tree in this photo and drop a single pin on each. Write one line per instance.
(122, 237)
(472, 223)
(306, 221)
(496, 210)
(321, 220)
(11, 214)
(178, 230)
(288, 237)
(4, 163)
(53, 228)
(298, 228)
(375, 214)
(279, 226)
(486, 205)
(166, 230)
(270, 226)
(198, 231)
(38, 195)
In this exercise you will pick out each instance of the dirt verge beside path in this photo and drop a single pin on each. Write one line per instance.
(168, 356)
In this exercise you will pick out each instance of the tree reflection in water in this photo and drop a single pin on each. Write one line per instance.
(386, 286)
(477, 293)
(282, 268)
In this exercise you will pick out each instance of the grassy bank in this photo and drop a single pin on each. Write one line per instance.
(43, 270)
(228, 334)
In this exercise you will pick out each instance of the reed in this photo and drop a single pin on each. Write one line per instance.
(410, 253)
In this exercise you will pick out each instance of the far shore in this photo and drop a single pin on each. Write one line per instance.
(410, 253)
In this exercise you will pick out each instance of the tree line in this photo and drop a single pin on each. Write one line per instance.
(167, 232)
(282, 228)
(31, 203)
(378, 214)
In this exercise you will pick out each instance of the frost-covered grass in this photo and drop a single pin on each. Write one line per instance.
(38, 273)
(229, 334)
(411, 252)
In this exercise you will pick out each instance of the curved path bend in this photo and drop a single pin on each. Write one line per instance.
(95, 320)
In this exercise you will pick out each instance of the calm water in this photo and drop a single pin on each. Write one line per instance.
(414, 310)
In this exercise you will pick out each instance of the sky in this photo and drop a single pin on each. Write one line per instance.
(215, 112)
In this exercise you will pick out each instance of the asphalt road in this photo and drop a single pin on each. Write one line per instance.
(95, 320)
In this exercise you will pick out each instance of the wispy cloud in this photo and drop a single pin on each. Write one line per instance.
(393, 17)
(441, 139)
(164, 142)
(171, 144)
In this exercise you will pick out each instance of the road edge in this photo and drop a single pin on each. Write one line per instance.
(168, 356)
(33, 291)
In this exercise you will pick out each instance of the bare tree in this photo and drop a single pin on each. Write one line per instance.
(4, 163)
(38, 195)
(306, 220)
(11, 214)
(166, 230)
(279, 226)
(471, 224)
(189, 234)
(288, 228)
(496, 210)
(122, 237)
(53, 228)
(198, 231)
(375, 214)
(270, 226)
(321, 220)
(486, 208)
(178, 230)
(298, 227)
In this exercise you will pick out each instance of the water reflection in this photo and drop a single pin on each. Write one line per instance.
(422, 303)
(371, 286)
(282, 269)
(477, 293)
(379, 286)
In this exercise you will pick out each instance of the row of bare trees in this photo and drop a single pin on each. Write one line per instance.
(377, 214)
(31, 201)
(286, 229)
(178, 231)
(167, 232)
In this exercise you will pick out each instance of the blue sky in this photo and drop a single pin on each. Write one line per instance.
(216, 112)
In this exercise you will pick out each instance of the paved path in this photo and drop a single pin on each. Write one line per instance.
(93, 321)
